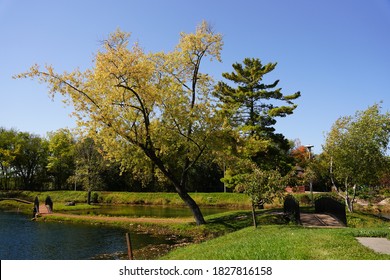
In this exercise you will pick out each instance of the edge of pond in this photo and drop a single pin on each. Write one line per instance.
(183, 230)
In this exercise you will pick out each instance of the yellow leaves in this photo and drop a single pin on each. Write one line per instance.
(32, 73)
(131, 97)
(117, 39)
(186, 100)
(203, 42)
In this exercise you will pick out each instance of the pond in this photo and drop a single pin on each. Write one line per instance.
(146, 211)
(23, 239)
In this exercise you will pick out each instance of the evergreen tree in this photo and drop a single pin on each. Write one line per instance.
(252, 108)
(247, 104)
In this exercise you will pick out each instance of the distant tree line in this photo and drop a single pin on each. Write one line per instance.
(63, 161)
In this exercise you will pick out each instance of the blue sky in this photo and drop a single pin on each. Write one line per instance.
(336, 52)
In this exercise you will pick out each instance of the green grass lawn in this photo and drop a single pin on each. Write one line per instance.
(280, 242)
(276, 240)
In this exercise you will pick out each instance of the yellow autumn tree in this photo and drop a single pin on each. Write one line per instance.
(146, 108)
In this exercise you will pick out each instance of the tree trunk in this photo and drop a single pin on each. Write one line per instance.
(254, 215)
(89, 197)
(179, 185)
(350, 201)
(198, 216)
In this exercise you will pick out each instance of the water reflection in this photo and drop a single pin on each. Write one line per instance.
(22, 239)
(146, 211)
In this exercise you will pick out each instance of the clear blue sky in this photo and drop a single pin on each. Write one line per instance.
(336, 52)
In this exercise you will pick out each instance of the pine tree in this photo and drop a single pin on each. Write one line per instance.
(251, 109)
(247, 104)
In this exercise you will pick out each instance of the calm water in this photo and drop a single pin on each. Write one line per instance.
(23, 239)
(146, 211)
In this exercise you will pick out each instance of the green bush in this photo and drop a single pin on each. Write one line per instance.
(95, 197)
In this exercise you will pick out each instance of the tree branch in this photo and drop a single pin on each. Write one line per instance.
(62, 81)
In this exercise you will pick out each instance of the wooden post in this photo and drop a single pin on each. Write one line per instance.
(129, 249)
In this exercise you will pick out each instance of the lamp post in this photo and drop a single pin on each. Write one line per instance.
(309, 147)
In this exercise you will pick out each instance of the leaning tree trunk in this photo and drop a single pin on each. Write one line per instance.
(179, 186)
(198, 216)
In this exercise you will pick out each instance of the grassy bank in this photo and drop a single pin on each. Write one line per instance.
(232, 200)
(227, 200)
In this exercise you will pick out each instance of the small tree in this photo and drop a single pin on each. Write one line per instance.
(61, 157)
(89, 165)
(262, 186)
(356, 149)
